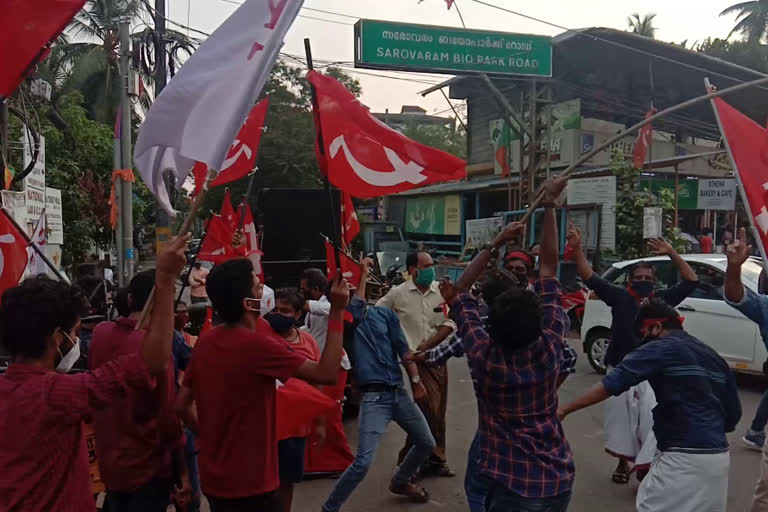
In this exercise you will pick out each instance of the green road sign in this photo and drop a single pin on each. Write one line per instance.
(405, 47)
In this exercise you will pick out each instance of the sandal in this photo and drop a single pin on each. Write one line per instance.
(621, 473)
(443, 470)
(415, 494)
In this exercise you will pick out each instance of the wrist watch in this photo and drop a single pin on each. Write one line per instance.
(415, 379)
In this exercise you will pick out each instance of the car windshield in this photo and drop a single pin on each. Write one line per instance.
(750, 271)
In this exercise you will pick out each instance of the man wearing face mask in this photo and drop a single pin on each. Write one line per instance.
(419, 307)
(139, 439)
(698, 402)
(628, 421)
(228, 394)
(42, 440)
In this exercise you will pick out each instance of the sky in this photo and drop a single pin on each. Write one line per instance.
(676, 21)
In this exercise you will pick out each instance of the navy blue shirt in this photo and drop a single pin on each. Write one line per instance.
(624, 308)
(379, 344)
(696, 393)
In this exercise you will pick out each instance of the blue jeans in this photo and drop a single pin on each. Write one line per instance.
(376, 411)
(761, 415)
(190, 455)
(475, 485)
(501, 499)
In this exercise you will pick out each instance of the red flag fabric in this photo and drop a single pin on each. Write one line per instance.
(349, 219)
(503, 160)
(366, 158)
(241, 158)
(217, 245)
(349, 267)
(333, 456)
(252, 250)
(643, 142)
(27, 28)
(449, 3)
(299, 404)
(13, 253)
(748, 145)
(228, 213)
(208, 322)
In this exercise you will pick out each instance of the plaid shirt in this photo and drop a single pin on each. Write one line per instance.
(522, 443)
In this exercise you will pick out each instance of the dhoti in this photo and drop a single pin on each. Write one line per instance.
(629, 425)
(685, 482)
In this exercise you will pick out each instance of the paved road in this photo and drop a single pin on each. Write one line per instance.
(584, 430)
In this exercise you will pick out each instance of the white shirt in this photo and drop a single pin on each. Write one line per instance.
(316, 323)
(109, 275)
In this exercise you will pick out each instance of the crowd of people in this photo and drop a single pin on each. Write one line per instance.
(173, 422)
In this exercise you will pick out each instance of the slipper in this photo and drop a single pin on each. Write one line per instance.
(444, 471)
(620, 477)
(415, 494)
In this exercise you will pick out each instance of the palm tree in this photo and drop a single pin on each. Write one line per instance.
(751, 17)
(642, 25)
(94, 59)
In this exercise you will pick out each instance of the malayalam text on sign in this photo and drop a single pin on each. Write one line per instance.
(388, 45)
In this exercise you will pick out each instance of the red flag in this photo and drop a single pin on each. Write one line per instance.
(349, 219)
(449, 3)
(643, 142)
(217, 245)
(350, 269)
(13, 253)
(298, 405)
(365, 157)
(503, 160)
(241, 158)
(208, 322)
(747, 144)
(27, 28)
(228, 213)
(252, 251)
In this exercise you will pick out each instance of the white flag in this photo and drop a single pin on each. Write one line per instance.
(35, 264)
(199, 113)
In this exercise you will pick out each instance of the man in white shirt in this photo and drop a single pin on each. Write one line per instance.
(313, 285)
(424, 318)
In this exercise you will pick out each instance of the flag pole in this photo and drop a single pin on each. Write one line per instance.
(34, 246)
(244, 200)
(185, 226)
(335, 212)
(755, 233)
(634, 128)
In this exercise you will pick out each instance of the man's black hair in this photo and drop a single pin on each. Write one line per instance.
(121, 302)
(292, 296)
(642, 264)
(497, 282)
(315, 279)
(33, 310)
(514, 318)
(412, 260)
(657, 309)
(227, 285)
(140, 288)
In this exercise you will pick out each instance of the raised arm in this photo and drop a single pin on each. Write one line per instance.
(548, 258)
(158, 342)
(326, 370)
(661, 247)
(479, 263)
(738, 253)
(582, 265)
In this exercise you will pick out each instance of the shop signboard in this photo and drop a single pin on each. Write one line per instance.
(433, 215)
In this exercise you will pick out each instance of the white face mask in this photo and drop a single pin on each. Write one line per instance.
(266, 302)
(69, 360)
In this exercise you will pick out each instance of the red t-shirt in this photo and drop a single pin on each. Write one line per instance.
(306, 346)
(706, 244)
(232, 376)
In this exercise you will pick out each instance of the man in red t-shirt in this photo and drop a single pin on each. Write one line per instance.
(43, 453)
(138, 438)
(228, 394)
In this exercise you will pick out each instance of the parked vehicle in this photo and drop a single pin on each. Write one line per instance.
(573, 304)
(707, 316)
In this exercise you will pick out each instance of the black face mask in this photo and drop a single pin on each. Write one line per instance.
(642, 288)
(280, 322)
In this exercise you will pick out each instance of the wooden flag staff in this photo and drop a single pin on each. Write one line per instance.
(185, 227)
(632, 129)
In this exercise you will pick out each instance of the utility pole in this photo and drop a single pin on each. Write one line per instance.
(117, 164)
(4, 129)
(162, 219)
(126, 201)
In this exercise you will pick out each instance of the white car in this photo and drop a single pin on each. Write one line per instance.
(707, 316)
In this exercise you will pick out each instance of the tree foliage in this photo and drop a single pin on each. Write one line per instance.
(642, 25)
(440, 137)
(751, 19)
(631, 199)
(750, 54)
(287, 152)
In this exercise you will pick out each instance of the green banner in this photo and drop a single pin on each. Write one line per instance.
(688, 191)
(433, 215)
(388, 45)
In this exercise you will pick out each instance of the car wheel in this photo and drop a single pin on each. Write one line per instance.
(596, 347)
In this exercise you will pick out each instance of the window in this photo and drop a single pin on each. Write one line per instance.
(710, 282)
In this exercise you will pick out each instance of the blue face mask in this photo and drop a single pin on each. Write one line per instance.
(280, 322)
(424, 277)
